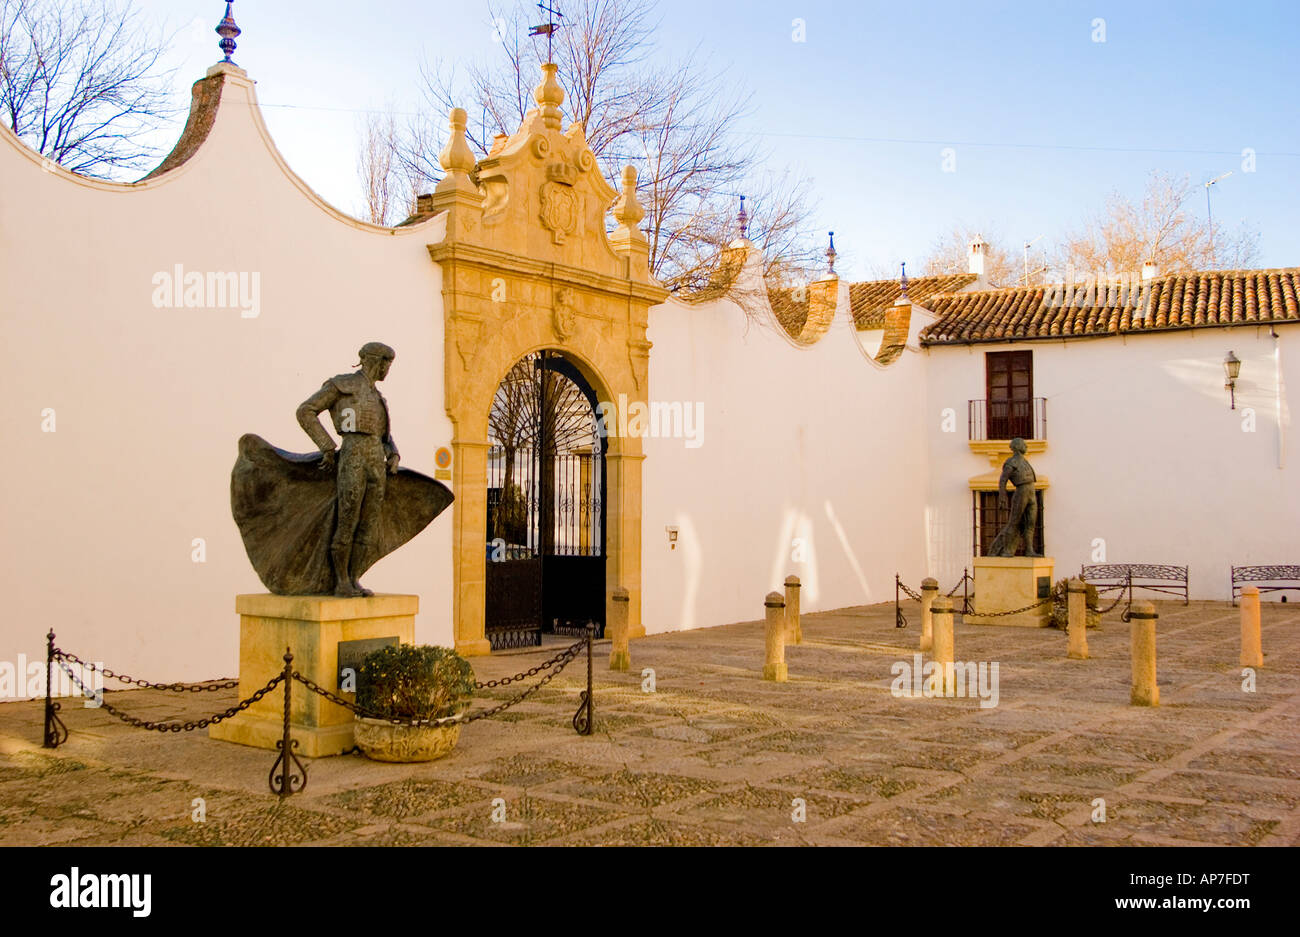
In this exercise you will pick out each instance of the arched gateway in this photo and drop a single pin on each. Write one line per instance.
(545, 508)
(531, 280)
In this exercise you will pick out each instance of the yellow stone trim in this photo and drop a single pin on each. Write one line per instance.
(998, 451)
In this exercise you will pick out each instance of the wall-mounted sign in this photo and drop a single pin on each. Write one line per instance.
(442, 458)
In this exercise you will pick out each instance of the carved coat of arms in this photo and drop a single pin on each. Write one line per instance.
(561, 205)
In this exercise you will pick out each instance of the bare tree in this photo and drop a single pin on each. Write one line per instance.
(951, 254)
(678, 124)
(544, 414)
(80, 82)
(1167, 226)
(377, 165)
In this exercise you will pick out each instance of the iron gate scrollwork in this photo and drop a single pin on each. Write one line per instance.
(546, 489)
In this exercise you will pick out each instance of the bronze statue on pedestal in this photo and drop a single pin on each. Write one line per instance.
(1020, 526)
(312, 524)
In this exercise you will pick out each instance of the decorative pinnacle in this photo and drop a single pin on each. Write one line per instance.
(456, 156)
(904, 296)
(228, 32)
(627, 210)
(743, 218)
(831, 255)
(549, 96)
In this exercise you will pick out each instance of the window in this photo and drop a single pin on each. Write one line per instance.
(990, 518)
(1009, 380)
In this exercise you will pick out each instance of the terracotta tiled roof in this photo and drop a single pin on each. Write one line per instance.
(791, 313)
(870, 300)
(1177, 301)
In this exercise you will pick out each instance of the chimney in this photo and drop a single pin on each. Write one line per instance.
(977, 248)
(1150, 271)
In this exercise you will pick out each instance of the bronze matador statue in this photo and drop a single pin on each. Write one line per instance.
(312, 524)
(1020, 526)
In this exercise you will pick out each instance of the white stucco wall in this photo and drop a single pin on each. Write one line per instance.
(149, 403)
(1143, 452)
(814, 443)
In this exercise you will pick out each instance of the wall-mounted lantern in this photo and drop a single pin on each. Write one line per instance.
(672, 537)
(1232, 367)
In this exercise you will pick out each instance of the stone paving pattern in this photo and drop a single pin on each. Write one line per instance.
(716, 755)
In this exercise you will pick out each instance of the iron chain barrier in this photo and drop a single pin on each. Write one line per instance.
(900, 620)
(288, 774)
(967, 607)
(169, 726)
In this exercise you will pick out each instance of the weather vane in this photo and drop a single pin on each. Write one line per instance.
(548, 28)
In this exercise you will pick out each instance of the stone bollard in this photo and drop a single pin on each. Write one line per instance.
(929, 589)
(793, 629)
(619, 657)
(1076, 601)
(1143, 643)
(774, 668)
(1252, 649)
(944, 677)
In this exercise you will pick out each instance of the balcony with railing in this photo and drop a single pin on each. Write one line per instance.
(992, 420)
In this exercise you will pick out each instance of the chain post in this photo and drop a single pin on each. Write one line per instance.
(583, 719)
(55, 731)
(292, 775)
(965, 597)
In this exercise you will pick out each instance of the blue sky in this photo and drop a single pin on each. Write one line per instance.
(1044, 121)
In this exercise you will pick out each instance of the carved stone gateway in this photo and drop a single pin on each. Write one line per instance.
(527, 266)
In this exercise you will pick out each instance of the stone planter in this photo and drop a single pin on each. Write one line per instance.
(383, 741)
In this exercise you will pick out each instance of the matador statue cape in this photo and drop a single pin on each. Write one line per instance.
(312, 524)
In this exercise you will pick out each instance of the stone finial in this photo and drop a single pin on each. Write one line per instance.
(456, 157)
(743, 219)
(830, 256)
(627, 239)
(549, 96)
(228, 32)
(904, 281)
(627, 210)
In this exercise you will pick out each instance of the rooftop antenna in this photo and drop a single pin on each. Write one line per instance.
(1029, 244)
(1209, 220)
(548, 28)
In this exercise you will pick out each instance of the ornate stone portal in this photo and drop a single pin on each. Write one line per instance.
(527, 265)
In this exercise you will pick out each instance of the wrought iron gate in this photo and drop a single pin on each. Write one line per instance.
(546, 490)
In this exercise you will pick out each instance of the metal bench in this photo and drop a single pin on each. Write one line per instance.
(1267, 578)
(1154, 577)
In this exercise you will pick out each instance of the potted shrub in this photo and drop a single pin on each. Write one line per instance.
(1060, 608)
(416, 683)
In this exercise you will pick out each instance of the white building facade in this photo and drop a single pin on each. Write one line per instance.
(153, 324)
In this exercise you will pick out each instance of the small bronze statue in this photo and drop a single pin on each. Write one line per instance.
(312, 524)
(1023, 521)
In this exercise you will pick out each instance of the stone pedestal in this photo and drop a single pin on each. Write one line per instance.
(313, 627)
(1005, 583)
